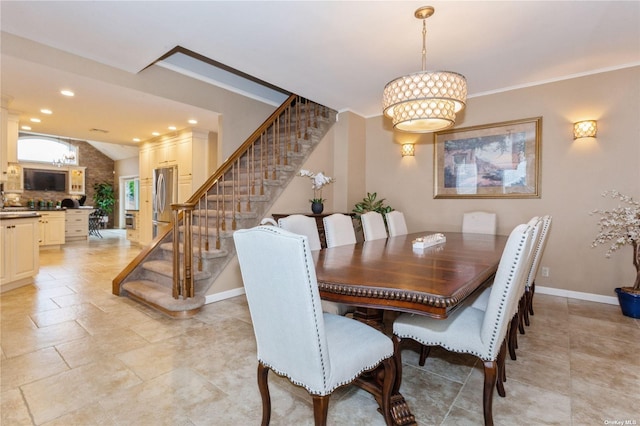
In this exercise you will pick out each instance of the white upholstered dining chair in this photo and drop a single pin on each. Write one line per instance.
(373, 226)
(338, 230)
(319, 352)
(396, 223)
(479, 223)
(305, 225)
(474, 331)
(530, 287)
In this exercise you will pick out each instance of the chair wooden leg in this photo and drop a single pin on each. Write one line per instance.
(527, 301)
(502, 374)
(533, 292)
(490, 376)
(263, 385)
(522, 306)
(424, 353)
(512, 337)
(320, 409)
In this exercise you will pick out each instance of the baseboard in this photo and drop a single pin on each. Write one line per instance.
(211, 298)
(611, 300)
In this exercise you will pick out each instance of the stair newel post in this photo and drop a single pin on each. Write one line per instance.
(187, 290)
(176, 255)
(205, 197)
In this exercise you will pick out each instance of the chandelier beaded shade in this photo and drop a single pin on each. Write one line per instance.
(425, 101)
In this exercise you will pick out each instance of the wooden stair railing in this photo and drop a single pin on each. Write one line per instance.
(260, 157)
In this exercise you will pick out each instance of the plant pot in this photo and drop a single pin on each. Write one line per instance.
(317, 208)
(629, 303)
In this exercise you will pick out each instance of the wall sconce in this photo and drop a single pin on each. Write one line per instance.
(585, 129)
(408, 150)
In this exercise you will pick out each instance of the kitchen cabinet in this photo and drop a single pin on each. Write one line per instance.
(77, 181)
(133, 231)
(52, 225)
(167, 154)
(20, 259)
(145, 228)
(145, 166)
(15, 179)
(76, 226)
(8, 138)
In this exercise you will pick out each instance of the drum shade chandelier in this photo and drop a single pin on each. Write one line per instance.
(425, 101)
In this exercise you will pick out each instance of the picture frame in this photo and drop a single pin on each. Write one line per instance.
(498, 160)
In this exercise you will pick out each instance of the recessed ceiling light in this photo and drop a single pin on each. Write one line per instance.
(155, 134)
(192, 121)
(172, 127)
(46, 111)
(67, 93)
(26, 127)
(35, 120)
(136, 139)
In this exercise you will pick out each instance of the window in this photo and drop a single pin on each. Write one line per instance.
(131, 191)
(43, 149)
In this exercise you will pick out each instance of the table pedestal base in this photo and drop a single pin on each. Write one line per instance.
(370, 316)
(372, 383)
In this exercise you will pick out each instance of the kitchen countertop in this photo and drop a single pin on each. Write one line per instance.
(18, 214)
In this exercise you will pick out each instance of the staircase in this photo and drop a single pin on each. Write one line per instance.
(173, 275)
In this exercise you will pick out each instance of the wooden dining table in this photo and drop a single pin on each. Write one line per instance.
(390, 274)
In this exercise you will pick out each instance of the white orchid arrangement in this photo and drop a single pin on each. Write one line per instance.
(318, 180)
(620, 226)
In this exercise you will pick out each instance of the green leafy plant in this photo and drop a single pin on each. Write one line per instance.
(371, 204)
(104, 197)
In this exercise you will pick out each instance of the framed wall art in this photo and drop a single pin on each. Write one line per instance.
(500, 160)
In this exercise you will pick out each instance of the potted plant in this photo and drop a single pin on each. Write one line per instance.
(104, 198)
(621, 227)
(370, 204)
(318, 180)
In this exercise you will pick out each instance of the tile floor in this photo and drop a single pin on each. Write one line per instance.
(74, 354)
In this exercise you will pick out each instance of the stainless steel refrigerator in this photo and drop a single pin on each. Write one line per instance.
(165, 193)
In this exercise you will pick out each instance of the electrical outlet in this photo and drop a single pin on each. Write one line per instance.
(545, 271)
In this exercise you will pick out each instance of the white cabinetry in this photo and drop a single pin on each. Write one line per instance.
(52, 225)
(76, 225)
(8, 138)
(133, 234)
(15, 179)
(188, 150)
(20, 260)
(76, 181)
(145, 229)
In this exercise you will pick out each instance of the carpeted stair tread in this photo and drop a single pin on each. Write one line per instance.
(206, 254)
(158, 295)
(165, 267)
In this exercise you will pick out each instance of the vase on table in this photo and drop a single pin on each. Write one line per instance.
(317, 207)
